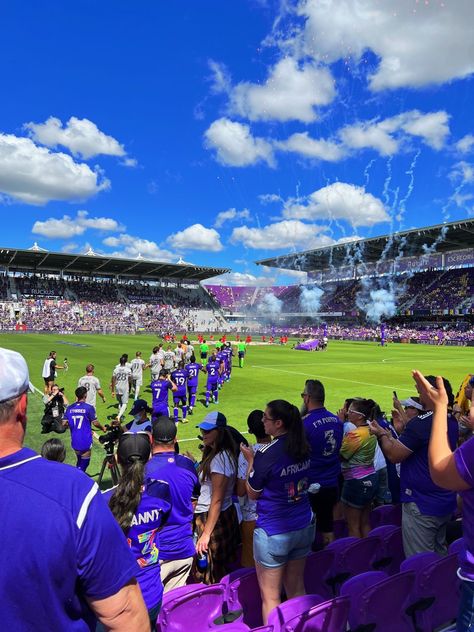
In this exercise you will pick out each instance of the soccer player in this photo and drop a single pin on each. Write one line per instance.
(241, 349)
(221, 358)
(50, 367)
(92, 384)
(156, 362)
(189, 351)
(68, 573)
(80, 418)
(169, 359)
(121, 380)
(159, 390)
(213, 369)
(228, 353)
(137, 365)
(193, 369)
(180, 378)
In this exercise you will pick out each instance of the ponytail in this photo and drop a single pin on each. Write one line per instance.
(128, 493)
(297, 445)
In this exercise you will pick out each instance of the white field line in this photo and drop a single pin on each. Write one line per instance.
(330, 377)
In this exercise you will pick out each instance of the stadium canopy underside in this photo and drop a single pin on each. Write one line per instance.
(410, 243)
(44, 262)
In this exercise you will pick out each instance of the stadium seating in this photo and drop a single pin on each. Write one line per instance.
(379, 602)
(310, 613)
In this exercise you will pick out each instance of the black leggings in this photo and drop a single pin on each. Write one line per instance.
(322, 504)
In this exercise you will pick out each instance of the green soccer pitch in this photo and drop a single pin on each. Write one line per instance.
(347, 369)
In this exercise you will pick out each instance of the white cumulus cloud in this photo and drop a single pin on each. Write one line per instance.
(417, 43)
(130, 247)
(230, 215)
(292, 91)
(235, 145)
(67, 227)
(81, 136)
(339, 200)
(465, 144)
(286, 234)
(196, 237)
(36, 175)
(304, 145)
(240, 279)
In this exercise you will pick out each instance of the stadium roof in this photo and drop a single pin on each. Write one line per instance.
(457, 235)
(42, 261)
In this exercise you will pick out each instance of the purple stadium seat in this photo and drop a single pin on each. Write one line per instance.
(352, 556)
(456, 546)
(243, 593)
(292, 608)
(386, 514)
(378, 602)
(434, 599)
(317, 571)
(192, 609)
(390, 554)
(328, 616)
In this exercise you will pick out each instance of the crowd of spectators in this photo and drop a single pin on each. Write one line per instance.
(279, 498)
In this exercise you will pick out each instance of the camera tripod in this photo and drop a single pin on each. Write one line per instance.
(110, 462)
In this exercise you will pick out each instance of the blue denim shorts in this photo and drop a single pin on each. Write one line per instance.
(273, 551)
(359, 492)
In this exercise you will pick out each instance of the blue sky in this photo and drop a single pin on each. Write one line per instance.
(228, 131)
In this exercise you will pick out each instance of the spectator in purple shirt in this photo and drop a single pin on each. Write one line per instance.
(278, 478)
(176, 539)
(74, 565)
(324, 432)
(427, 508)
(141, 506)
(453, 470)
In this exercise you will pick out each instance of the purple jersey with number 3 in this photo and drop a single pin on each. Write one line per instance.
(80, 417)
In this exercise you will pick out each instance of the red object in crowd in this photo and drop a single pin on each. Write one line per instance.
(248, 340)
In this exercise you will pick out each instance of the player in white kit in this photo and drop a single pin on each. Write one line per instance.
(137, 365)
(121, 380)
(92, 384)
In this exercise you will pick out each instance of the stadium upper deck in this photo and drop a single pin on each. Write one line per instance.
(39, 261)
(417, 249)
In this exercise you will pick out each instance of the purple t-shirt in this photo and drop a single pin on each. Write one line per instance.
(193, 369)
(324, 432)
(464, 458)
(143, 539)
(160, 390)
(176, 538)
(212, 369)
(180, 378)
(80, 417)
(416, 484)
(283, 504)
(59, 535)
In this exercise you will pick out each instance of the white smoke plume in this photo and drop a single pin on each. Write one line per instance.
(310, 299)
(382, 303)
(270, 305)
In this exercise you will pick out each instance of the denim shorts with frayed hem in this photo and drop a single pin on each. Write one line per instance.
(359, 492)
(273, 551)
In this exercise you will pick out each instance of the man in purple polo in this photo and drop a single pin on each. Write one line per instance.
(427, 508)
(75, 564)
(176, 539)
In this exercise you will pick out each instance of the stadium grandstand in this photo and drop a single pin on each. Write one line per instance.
(430, 273)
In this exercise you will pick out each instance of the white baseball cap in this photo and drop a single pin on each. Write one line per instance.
(14, 376)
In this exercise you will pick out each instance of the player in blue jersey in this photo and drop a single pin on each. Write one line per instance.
(160, 390)
(80, 418)
(228, 353)
(180, 378)
(177, 549)
(61, 546)
(213, 368)
(221, 358)
(141, 506)
(193, 369)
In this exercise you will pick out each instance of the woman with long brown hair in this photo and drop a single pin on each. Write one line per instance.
(215, 519)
